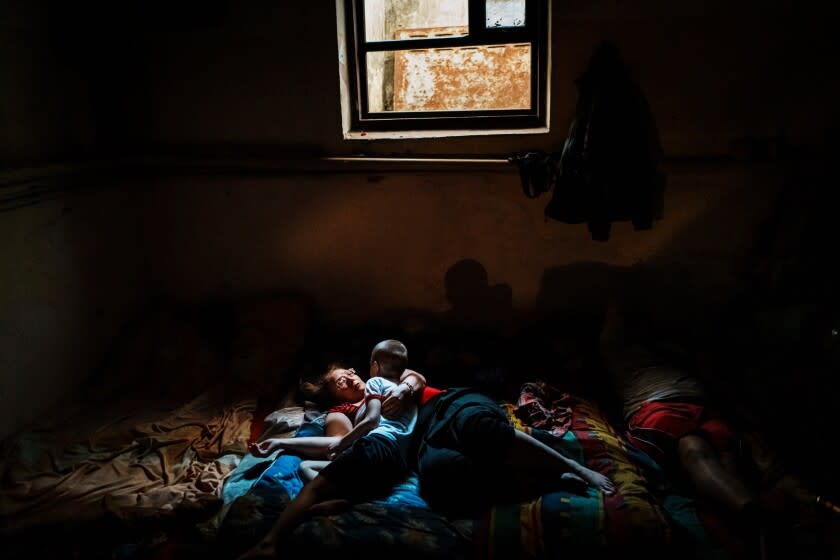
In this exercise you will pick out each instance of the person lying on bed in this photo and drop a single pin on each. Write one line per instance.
(373, 451)
(468, 457)
(341, 392)
(669, 415)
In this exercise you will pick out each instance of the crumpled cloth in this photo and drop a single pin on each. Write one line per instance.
(544, 407)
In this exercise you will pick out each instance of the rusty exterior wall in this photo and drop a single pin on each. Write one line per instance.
(465, 78)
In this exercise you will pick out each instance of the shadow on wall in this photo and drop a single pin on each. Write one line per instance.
(474, 305)
(658, 298)
(481, 340)
(465, 344)
(453, 345)
(473, 301)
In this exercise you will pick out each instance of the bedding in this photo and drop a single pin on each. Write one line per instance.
(556, 523)
(142, 447)
(143, 465)
(402, 522)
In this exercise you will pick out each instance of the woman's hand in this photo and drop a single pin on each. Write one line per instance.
(263, 448)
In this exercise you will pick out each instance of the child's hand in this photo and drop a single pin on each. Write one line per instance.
(394, 401)
(599, 481)
(335, 449)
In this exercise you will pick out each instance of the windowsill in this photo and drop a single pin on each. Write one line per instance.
(410, 134)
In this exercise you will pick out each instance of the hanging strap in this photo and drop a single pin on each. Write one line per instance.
(536, 171)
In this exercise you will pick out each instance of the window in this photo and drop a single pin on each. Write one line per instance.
(443, 67)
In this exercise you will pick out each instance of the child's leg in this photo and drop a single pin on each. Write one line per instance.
(530, 454)
(320, 489)
(309, 469)
(485, 435)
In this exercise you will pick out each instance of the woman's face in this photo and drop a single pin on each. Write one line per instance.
(344, 385)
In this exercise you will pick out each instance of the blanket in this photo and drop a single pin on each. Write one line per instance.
(145, 463)
(556, 523)
(561, 522)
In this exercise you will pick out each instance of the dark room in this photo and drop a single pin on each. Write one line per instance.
(553, 276)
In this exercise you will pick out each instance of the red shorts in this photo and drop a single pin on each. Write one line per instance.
(657, 426)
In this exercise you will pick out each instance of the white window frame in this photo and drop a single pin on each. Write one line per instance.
(358, 125)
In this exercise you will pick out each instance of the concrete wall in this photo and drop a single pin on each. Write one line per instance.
(70, 277)
(243, 80)
(715, 73)
(722, 81)
(366, 243)
(71, 264)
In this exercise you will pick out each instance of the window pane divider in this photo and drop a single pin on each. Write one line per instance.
(518, 36)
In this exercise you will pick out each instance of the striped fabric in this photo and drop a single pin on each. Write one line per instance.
(561, 522)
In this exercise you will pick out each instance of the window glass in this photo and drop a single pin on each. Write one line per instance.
(450, 79)
(505, 13)
(394, 20)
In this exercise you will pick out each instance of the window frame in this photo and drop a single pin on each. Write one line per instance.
(360, 121)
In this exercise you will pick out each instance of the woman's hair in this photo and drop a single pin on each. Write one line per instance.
(313, 383)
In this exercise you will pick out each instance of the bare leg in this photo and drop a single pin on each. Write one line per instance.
(320, 489)
(310, 469)
(710, 475)
(529, 453)
(714, 479)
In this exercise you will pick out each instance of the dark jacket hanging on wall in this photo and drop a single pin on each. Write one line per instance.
(608, 167)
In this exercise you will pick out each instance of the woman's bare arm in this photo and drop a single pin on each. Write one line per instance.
(336, 426)
(373, 412)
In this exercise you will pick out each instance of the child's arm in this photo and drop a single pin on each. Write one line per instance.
(411, 385)
(414, 379)
(373, 412)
